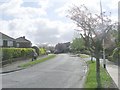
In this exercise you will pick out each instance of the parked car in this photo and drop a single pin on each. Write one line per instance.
(48, 52)
(57, 52)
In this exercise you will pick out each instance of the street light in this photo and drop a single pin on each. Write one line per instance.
(104, 61)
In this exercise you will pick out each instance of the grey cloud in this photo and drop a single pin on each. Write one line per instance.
(67, 36)
(43, 34)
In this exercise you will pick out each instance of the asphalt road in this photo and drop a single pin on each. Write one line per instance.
(64, 71)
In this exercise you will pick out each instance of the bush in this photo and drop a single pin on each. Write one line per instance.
(86, 52)
(42, 51)
(114, 56)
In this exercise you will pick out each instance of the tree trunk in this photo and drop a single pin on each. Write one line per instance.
(98, 73)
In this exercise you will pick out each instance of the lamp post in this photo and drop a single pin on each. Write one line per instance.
(104, 61)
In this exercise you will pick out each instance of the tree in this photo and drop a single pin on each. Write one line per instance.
(95, 28)
(115, 52)
(77, 44)
(111, 42)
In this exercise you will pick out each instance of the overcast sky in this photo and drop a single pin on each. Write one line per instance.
(45, 21)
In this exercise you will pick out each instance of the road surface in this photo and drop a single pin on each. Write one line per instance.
(64, 71)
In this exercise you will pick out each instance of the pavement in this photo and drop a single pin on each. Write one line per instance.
(63, 71)
(14, 66)
(112, 69)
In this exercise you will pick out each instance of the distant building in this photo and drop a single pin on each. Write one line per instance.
(22, 42)
(6, 41)
(62, 47)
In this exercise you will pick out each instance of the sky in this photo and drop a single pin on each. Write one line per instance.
(46, 21)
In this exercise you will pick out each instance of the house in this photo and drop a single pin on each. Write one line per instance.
(62, 47)
(22, 42)
(6, 41)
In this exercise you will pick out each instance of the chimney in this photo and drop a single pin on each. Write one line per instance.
(24, 37)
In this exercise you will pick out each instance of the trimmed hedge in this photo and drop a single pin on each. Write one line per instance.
(9, 53)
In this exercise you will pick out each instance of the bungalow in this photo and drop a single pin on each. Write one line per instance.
(6, 41)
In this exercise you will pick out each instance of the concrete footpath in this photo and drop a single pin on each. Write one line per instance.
(14, 66)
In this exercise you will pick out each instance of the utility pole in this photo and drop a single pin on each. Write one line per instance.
(104, 61)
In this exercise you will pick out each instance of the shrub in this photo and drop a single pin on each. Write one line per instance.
(86, 52)
(42, 51)
(114, 56)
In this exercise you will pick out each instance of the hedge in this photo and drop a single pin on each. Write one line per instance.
(9, 53)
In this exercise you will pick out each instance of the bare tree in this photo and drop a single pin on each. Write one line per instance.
(95, 28)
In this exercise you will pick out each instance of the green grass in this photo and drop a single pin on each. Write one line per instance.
(84, 56)
(91, 77)
(36, 61)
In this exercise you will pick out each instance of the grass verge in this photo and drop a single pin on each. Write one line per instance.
(37, 61)
(106, 81)
(84, 56)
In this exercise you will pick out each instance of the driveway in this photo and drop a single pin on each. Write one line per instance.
(64, 71)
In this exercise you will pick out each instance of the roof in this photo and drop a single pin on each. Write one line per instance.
(67, 43)
(4, 36)
(22, 39)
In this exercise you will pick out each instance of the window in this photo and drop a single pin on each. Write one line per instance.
(18, 45)
(5, 43)
(10, 43)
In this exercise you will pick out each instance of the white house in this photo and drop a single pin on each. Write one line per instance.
(6, 41)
